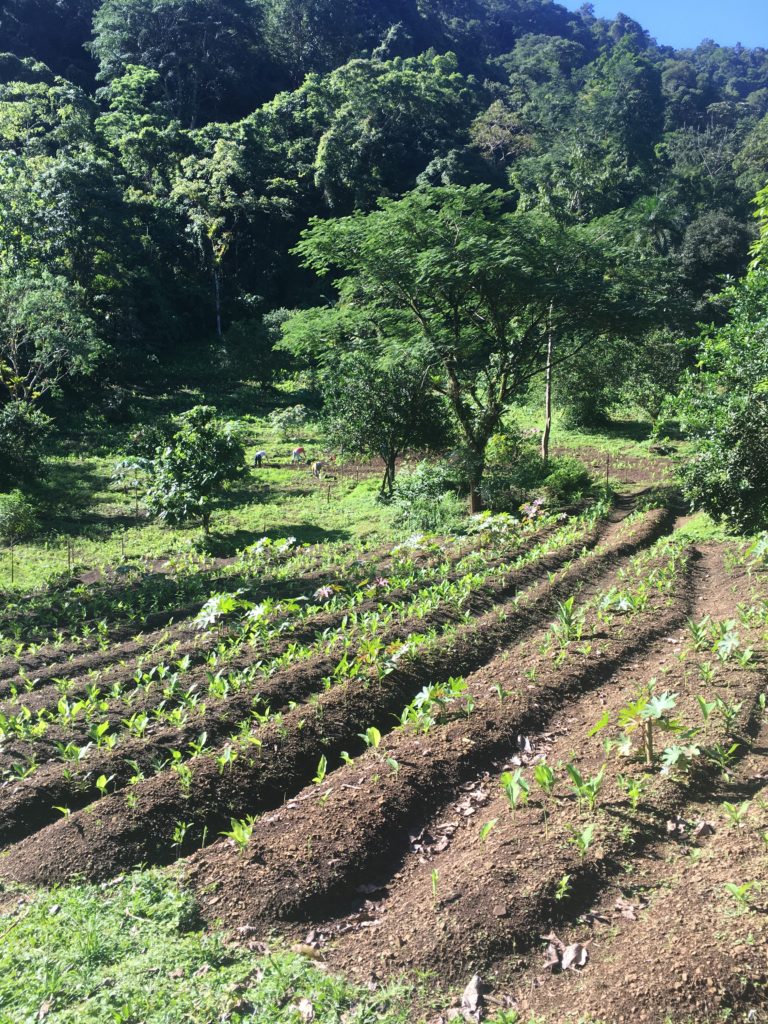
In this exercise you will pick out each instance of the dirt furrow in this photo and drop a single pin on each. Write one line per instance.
(302, 860)
(287, 754)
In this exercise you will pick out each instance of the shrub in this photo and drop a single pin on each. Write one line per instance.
(723, 409)
(18, 518)
(513, 470)
(567, 480)
(288, 422)
(189, 476)
(425, 499)
(24, 430)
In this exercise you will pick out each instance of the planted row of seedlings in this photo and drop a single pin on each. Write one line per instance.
(90, 618)
(525, 846)
(179, 700)
(552, 825)
(277, 579)
(408, 574)
(301, 861)
(185, 805)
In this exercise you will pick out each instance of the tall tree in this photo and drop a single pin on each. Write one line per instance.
(472, 289)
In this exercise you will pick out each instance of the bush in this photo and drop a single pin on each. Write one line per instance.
(567, 480)
(424, 499)
(147, 438)
(723, 408)
(23, 433)
(513, 470)
(727, 472)
(288, 422)
(190, 475)
(18, 518)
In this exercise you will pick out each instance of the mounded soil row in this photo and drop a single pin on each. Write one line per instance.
(496, 898)
(301, 631)
(306, 859)
(31, 802)
(109, 835)
(51, 662)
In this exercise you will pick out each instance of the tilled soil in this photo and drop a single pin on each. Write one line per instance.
(92, 841)
(409, 858)
(390, 875)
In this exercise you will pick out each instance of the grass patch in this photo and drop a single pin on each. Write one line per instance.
(131, 952)
(90, 522)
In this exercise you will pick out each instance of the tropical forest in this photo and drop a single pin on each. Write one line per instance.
(383, 515)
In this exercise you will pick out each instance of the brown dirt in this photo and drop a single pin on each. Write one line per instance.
(90, 843)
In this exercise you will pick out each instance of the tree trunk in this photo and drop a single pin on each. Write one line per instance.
(475, 500)
(548, 395)
(389, 474)
(217, 297)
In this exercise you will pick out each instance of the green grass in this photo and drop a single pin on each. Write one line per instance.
(133, 952)
(89, 521)
(623, 436)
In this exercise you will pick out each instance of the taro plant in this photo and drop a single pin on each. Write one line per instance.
(240, 831)
(736, 813)
(371, 737)
(516, 788)
(322, 769)
(740, 893)
(634, 787)
(586, 790)
(582, 839)
(487, 828)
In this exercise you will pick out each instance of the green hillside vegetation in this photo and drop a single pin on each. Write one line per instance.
(383, 515)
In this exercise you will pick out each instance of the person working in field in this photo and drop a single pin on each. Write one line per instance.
(258, 458)
(297, 455)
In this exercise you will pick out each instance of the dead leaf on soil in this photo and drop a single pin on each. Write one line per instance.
(574, 956)
(629, 908)
(570, 957)
(306, 1010)
(677, 825)
(472, 999)
(702, 829)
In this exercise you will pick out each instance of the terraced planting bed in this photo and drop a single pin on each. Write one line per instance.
(534, 754)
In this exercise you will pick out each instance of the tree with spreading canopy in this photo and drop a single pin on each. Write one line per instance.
(473, 290)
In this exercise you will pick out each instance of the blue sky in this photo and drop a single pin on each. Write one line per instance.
(684, 23)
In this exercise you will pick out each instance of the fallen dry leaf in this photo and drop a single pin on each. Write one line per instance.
(306, 1010)
(574, 956)
(472, 999)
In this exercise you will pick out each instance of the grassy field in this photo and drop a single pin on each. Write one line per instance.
(90, 521)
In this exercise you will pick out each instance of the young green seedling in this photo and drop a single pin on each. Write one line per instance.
(583, 840)
(322, 768)
(516, 788)
(736, 813)
(240, 831)
(587, 790)
(487, 828)
(563, 890)
(740, 893)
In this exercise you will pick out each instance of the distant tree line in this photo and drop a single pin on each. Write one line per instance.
(174, 171)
